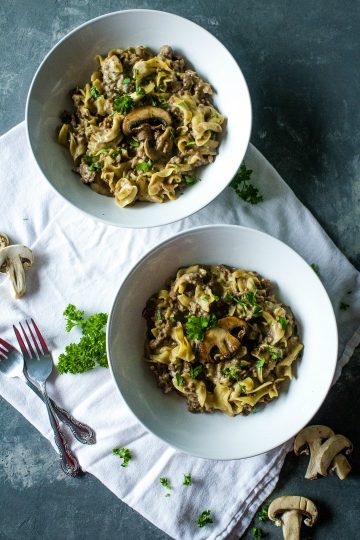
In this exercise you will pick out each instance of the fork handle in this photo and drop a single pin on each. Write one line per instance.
(68, 461)
(83, 433)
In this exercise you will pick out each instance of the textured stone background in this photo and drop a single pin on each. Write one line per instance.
(301, 62)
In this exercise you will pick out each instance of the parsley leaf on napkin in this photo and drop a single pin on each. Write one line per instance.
(91, 349)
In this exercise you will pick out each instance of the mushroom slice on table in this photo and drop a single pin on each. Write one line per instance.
(143, 123)
(14, 259)
(4, 241)
(330, 458)
(309, 441)
(288, 511)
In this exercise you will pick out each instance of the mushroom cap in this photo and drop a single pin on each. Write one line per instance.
(11, 252)
(308, 435)
(229, 323)
(297, 503)
(4, 240)
(220, 338)
(330, 449)
(149, 116)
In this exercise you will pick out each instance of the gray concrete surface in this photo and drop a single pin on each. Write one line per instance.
(301, 61)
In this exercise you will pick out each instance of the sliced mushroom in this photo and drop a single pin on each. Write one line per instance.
(13, 262)
(222, 340)
(309, 440)
(330, 457)
(288, 512)
(143, 122)
(4, 241)
(230, 323)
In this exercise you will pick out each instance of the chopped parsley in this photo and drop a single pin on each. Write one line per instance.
(187, 480)
(145, 166)
(139, 90)
(243, 188)
(196, 326)
(165, 482)
(257, 533)
(232, 373)
(127, 80)
(248, 301)
(124, 454)
(204, 518)
(344, 306)
(260, 363)
(179, 379)
(283, 322)
(275, 354)
(262, 515)
(158, 316)
(89, 160)
(316, 268)
(190, 143)
(196, 371)
(191, 180)
(123, 104)
(254, 410)
(94, 92)
(133, 143)
(90, 351)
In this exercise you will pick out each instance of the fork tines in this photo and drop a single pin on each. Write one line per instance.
(5, 348)
(40, 341)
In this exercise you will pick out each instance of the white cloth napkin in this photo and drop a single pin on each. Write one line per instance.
(81, 261)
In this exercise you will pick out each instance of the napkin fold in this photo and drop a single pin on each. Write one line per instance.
(81, 261)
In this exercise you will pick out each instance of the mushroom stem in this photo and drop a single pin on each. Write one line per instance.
(314, 447)
(340, 466)
(291, 524)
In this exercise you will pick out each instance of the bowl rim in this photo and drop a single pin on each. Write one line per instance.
(105, 220)
(160, 246)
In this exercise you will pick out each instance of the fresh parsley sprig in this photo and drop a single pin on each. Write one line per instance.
(165, 482)
(243, 188)
(204, 518)
(90, 351)
(123, 453)
(195, 326)
(123, 104)
(187, 480)
(262, 515)
(196, 371)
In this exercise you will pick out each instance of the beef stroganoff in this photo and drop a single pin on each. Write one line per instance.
(220, 337)
(142, 126)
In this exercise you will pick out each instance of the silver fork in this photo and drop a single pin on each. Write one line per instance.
(12, 365)
(39, 367)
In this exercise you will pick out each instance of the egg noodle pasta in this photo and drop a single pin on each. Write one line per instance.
(141, 126)
(220, 337)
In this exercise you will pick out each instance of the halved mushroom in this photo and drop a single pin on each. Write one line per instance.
(13, 262)
(143, 122)
(222, 340)
(230, 323)
(288, 512)
(4, 240)
(309, 440)
(330, 458)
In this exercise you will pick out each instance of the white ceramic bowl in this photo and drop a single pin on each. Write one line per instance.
(216, 435)
(71, 62)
